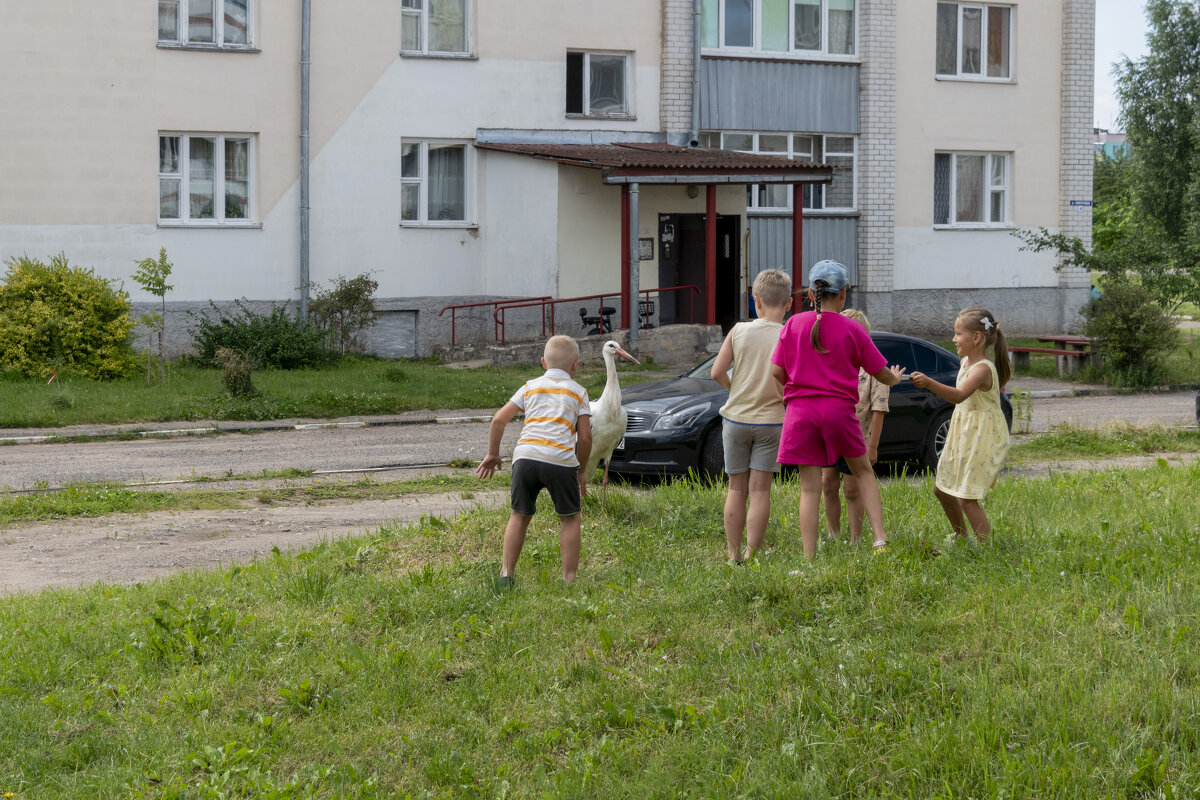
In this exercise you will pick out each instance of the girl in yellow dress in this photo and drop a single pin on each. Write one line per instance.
(978, 438)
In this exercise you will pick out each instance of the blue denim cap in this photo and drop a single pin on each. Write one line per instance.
(832, 273)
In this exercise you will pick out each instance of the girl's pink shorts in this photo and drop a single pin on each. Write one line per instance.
(818, 430)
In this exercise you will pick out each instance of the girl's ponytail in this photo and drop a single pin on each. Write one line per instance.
(1003, 364)
(814, 335)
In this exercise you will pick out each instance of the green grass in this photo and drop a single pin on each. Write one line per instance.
(1058, 660)
(357, 386)
(1067, 442)
(98, 499)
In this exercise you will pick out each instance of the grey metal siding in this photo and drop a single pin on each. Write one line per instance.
(778, 96)
(824, 237)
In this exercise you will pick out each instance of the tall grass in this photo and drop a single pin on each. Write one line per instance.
(1061, 659)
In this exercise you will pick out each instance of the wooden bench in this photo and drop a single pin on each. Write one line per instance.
(1069, 353)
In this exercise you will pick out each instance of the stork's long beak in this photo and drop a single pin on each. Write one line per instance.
(626, 356)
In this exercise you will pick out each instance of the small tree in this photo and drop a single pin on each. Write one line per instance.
(1133, 333)
(345, 310)
(152, 275)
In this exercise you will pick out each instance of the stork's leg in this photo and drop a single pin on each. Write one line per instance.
(604, 486)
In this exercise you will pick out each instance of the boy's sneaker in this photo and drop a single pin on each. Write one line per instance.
(506, 582)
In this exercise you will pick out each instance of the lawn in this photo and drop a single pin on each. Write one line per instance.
(1061, 659)
(357, 386)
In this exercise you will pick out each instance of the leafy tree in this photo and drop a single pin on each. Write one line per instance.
(345, 309)
(152, 276)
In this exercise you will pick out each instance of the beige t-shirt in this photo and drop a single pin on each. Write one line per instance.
(872, 396)
(755, 397)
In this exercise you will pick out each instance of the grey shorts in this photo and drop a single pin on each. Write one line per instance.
(750, 447)
(529, 477)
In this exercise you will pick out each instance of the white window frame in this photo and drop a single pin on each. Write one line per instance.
(586, 78)
(793, 152)
(218, 43)
(184, 177)
(983, 77)
(987, 189)
(792, 52)
(419, 9)
(422, 181)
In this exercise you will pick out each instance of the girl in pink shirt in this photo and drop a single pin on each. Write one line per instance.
(817, 362)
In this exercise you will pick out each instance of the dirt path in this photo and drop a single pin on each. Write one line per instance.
(130, 548)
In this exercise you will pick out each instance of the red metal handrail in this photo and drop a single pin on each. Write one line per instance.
(500, 315)
(496, 333)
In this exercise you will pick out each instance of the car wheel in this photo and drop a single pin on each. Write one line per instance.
(935, 440)
(712, 454)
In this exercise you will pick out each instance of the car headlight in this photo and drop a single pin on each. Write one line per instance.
(681, 419)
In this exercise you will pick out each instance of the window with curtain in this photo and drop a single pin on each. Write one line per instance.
(435, 27)
(205, 178)
(795, 28)
(974, 41)
(971, 189)
(839, 152)
(598, 84)
(206, 23)
(434, 182)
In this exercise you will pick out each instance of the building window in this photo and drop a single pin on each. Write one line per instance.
(434, 181)
(435, 27)
(974, 41)
(780, 27)
(205, 178)
(598, 84)
(198, 23)
(836, 151)
(970, 189)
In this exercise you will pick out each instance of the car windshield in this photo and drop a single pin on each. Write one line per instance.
(703, 369)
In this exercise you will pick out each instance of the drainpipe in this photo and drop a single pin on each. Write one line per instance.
(694, 134)
(305, 63)
(635, 276)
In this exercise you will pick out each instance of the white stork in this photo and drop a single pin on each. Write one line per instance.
(608, 416)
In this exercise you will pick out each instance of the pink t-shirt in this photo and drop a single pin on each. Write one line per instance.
(833, 374)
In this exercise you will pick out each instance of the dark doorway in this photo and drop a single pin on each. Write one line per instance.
(681, 263)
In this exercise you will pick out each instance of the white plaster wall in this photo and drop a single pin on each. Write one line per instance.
(520, 226)
(940, 259)
(1021, 117)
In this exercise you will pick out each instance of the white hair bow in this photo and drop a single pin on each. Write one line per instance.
(987, 323)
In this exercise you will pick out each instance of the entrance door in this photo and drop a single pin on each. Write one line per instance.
(681, 263)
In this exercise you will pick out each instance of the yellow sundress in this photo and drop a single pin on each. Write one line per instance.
(976, 444)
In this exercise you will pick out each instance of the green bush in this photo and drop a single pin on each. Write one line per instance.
(1135, 335)
(344, 310)
(57, 317)
(277, 339)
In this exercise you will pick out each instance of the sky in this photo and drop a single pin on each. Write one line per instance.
(1120, 30)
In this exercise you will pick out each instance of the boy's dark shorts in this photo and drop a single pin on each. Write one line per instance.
(529, 477)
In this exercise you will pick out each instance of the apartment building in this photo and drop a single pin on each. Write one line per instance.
(464, 151)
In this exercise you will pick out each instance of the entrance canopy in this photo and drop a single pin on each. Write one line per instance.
(629, 164)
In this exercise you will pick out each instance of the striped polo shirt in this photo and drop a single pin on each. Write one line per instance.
(553, 405)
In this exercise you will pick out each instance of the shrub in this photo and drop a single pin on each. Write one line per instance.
(55, 317)
(277, 339)
(345, 309)
(1135, 335)
(236, 369)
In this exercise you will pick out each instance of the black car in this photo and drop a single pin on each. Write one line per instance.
(674, 425)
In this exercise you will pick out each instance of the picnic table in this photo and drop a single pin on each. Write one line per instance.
(1069, 351)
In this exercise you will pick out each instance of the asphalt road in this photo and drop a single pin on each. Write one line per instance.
(412, 447)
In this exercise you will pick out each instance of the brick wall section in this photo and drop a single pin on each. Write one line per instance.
(675, 97)
(877, 148)
(1076, 159)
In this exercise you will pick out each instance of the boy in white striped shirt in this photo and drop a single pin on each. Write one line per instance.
(554, 445)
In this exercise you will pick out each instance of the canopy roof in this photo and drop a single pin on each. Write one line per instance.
(654, 162)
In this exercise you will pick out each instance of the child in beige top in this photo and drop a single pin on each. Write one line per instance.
(752, 419)
(872, 405)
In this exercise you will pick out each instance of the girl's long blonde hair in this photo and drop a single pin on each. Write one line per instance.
(981, 320)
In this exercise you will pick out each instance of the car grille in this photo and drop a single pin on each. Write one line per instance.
(638, 422)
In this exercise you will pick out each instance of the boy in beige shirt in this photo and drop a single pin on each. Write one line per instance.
(752, 419)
